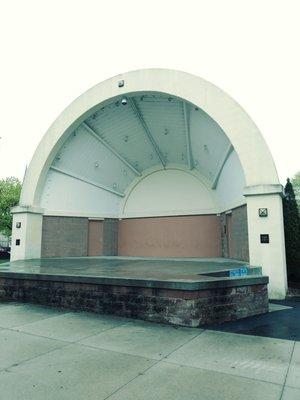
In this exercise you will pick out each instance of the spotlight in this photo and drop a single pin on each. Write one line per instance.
(124, 102)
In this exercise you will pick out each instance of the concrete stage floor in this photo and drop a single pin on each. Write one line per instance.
(186, 292)
(112, 269)
(54, 354)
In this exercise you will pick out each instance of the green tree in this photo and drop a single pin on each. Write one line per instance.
(296, 186)
(10, 190)
(291, 230)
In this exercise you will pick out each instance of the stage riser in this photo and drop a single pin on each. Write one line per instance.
(178, 307)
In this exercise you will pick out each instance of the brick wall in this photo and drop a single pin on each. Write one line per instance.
(64, 237)
(110, 237)
(234, 237)
(182, 236)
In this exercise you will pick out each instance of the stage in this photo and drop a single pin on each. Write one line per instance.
(189, 291)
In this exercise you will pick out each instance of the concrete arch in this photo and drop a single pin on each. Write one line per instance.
(241, 131)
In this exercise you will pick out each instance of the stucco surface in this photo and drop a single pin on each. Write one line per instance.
(194, 236)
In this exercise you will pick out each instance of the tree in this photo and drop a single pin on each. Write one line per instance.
(296, 186)
(10, 190)
(291, 230)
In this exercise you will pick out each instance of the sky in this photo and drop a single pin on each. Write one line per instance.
(53, 51)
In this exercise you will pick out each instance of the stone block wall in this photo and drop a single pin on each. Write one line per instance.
(178, 307)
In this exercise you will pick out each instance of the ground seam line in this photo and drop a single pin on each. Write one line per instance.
(288, 369)
(99, 333)
(221, 372)
(41, 319)
(16, 329)
(131, 380)
(81, 344)
(32, 358)
(151, 366)
(135, 355)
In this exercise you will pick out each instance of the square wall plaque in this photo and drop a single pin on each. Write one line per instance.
(264, 238)
(263, 212)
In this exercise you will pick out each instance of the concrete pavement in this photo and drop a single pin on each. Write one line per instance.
(48, 354)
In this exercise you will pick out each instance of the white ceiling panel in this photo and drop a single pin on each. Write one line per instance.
(164, 118)
(119, 142)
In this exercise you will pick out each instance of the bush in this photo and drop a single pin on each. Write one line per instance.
(10, 190)
(291, 232)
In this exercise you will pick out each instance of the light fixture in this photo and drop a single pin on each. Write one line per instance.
(121, 83)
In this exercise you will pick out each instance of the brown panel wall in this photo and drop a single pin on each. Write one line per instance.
(64, 237)
(110, 237)
(235, 236)
(95, 238)
(184, 236)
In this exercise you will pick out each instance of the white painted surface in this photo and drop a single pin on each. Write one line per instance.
(68, 195)
(270, 256)
(30, 235)
(229, 190)
(169, 192)
(231, 118)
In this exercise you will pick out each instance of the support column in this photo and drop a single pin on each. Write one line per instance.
(26, 240)
(266, 235)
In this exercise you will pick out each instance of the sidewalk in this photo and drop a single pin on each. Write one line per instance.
(52, 354)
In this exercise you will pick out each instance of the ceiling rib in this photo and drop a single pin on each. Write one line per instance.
(96, 136)
(80, 178)
(187, 136)
(221, 166)
(147, 130)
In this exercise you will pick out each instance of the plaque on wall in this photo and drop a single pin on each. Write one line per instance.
(263, 212)
(264, 238)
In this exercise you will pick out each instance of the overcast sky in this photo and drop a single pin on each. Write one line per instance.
(53, 51)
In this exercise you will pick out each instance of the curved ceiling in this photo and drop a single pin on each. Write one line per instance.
(114, 144)
(119, 142)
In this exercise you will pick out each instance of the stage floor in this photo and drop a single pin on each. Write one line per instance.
(113, 269)
(189, 292)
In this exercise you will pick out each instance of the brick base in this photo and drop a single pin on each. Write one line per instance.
(179, 307)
